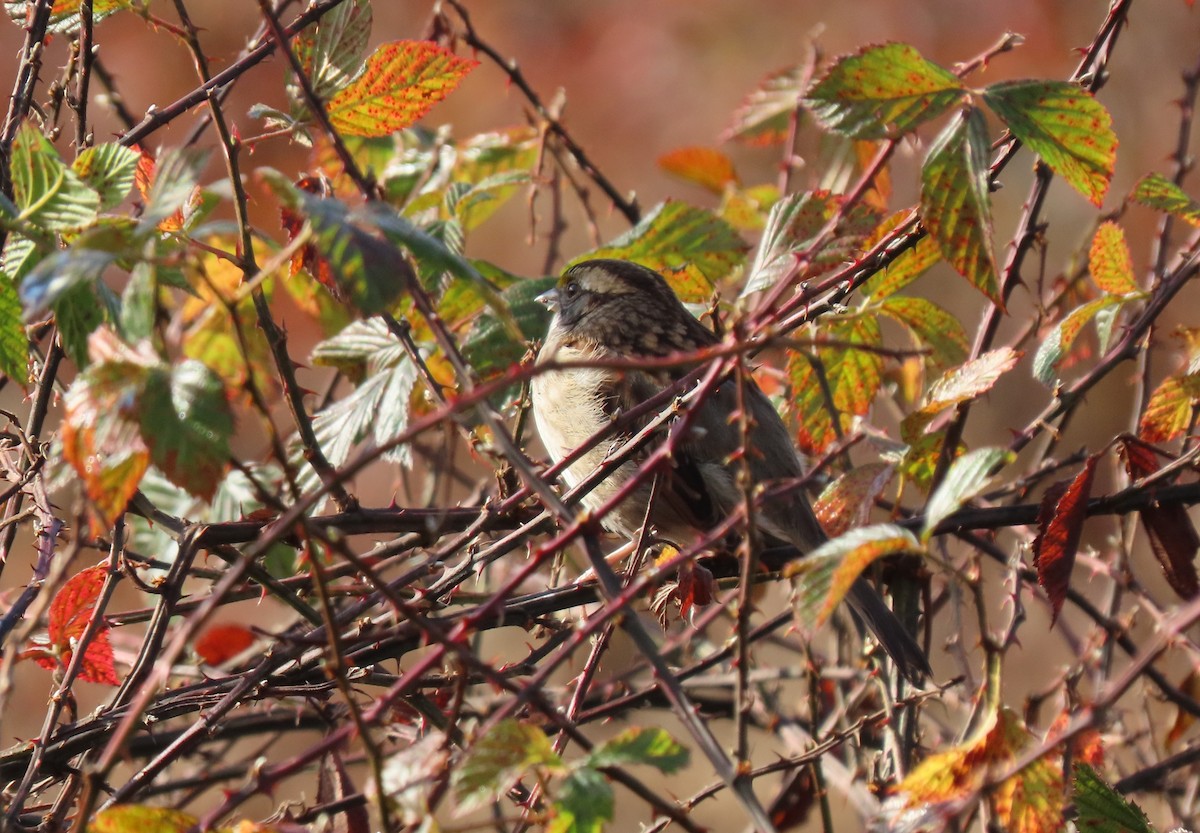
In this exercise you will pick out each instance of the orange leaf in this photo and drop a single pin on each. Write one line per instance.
(1170, 408)
(1110, 262)
(847, 502)
(401, 82)
(705, 167)
(1060, 522)
(223, 642)
(1183, 718)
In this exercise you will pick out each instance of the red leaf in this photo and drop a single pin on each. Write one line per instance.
(223, 642)
(73, 605)
(97, 666)
(1060, 522)
(1173, 538)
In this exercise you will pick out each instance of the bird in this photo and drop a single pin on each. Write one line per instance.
(608, 311)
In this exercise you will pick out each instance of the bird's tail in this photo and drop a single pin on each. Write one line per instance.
(890, 633)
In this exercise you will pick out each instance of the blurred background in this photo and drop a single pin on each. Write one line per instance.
(640, 79)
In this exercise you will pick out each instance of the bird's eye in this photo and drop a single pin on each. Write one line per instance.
(571, 290)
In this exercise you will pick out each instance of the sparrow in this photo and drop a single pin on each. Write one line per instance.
(615, 310)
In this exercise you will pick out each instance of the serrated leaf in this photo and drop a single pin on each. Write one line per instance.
(1157, 192)
(910, 265)
(882, 91)
(1173, 537)
(853, 378)
(64, 14)
(846, 503)
(490, 347)
(653, 747)
(931, 326)
(186, 421)
(585, 802)
(824, 576)
(1063, 124)
(762, 117)
(1060, 524)
(401, 81)
(972, 379)
(1169, 410)
(1058, 341)
(331, 50)
(955, 205)
(498, 759)
(706, 167)
(168, 185)
(792, 225)
(20, 255)
(967, 477)
(48, 193)
(109, 169)
(1102, 809)
(691, 247)
(14, 346)
(362, 348)
(1109, 260)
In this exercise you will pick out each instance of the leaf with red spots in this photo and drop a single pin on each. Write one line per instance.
(824, 576)
(129, 408)
(1058, 341)
(691, 247)
(1109, 260)
(1158, 192)
(851, 376)
(400, 83)
(1173, 538)
(955, 205)
(882, 91)
(1030, 801)
(907, 267)
(1169, 410)
(847, 502)
(763, 116)
(1060, 523)
(958, 385)
(933, 328)
(138, 818)
(64, 14)
(220, 643)
(706, 167)
(1063, 124)
(70, 612)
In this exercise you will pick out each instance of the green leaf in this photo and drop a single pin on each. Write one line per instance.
(1109, 260)
(824, 576)
(654, 747)
(966, 478)
(47, 192)
(932, 327)
(585, 802)
(955, 206)
(1157, 192)
(331, 50)
(490, 346)
(20, 255)
(498, 759)
(883, 91)
(401, 81)
(14, 346)
(361, 349)
(1102, 809)
(109, 169)
(691, 247)
(59, 273)
(139, 303)
(1063, 124)
(186, 421)
(78, 312)
(371, 271)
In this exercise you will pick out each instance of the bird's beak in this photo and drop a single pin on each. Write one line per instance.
(550, 299)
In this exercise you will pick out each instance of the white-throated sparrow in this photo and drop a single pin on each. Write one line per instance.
(617, 310)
